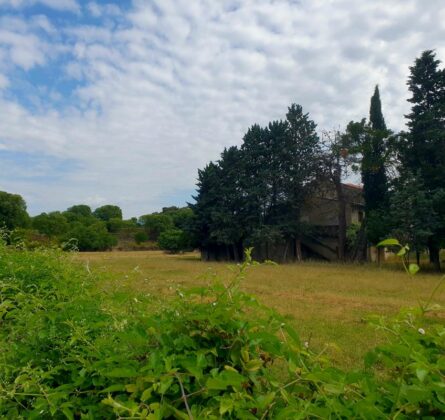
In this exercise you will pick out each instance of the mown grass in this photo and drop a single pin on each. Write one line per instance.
(327, 303)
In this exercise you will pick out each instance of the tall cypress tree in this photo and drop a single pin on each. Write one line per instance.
(375, 112)
(374, 178)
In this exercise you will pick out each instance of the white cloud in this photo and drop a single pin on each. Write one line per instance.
(22, 43)
(99, 10)
(167, 84)
(42, 22)
(24, 50)
(61, 5)
(4, 81)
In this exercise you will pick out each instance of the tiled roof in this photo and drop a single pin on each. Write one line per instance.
(355, 186)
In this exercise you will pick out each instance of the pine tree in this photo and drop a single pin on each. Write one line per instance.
(256, 182)
(255, 193)
(422, 149)
(206, 200)
(301, 171)
(228, 227)
(412, 213)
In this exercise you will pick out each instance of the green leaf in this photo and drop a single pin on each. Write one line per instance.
(415, 394)
(389, 242)
(224, 380)
(178, 414)
(146, 394)
(421, 374)
(292, 334)
(165, 384)
(402, 252)
(265, 400)
(131, 388)
(121, 373)
(114, 388)
(370, 359)
(225, 405)
(334, 388)
(413, 269)
(253, 365)
(68, 413)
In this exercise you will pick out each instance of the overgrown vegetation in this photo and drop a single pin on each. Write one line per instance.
(211, 352)
(102, 229)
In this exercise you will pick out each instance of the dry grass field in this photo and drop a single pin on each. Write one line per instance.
(326, 302)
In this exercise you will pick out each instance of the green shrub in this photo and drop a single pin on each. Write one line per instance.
(140, 237)
(51, 224)
(155, 224)
(212, 352)
(94, 237)
(114, 225)
(173, 240)
(352, 233)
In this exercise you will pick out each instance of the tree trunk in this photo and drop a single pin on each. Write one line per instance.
(360, 249)
(285, 251)
(298, 253)
(434, 254)
(235, 252)
(227, 252)
(418, 257)
(341, 219)
(381, 254)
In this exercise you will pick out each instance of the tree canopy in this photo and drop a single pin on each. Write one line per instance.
(257, 190)
(108, 212)
(421, 149)
(13, 212)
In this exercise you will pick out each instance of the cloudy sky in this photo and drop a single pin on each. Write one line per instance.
(121, 102)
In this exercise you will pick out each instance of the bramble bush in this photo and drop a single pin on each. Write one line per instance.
(211, 352)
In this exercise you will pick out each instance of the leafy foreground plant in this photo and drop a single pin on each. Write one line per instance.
(211, 353)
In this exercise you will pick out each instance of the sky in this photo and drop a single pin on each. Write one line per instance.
(121, 102)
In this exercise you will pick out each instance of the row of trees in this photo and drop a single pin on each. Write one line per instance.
(256, 192)
(170, 228)
(79, 226)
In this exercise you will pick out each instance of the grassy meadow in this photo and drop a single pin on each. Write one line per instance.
(327, 303)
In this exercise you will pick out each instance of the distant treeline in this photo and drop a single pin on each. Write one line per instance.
(79, 227)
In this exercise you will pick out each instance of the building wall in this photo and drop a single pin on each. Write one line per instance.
(322, 209)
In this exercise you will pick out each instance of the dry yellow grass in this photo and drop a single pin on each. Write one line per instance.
(326, 302)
